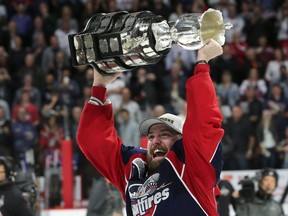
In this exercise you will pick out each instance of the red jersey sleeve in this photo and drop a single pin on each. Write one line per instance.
(202, 130)
(98, 140)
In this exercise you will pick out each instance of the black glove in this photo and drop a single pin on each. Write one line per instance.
(139, 169)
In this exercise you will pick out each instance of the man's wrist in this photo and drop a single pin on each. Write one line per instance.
(200, 62)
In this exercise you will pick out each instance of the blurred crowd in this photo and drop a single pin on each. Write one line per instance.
(42, 95)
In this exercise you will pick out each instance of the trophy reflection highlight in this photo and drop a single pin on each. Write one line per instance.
(121, 41)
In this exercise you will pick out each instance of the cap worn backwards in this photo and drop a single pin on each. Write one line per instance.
(170, 120)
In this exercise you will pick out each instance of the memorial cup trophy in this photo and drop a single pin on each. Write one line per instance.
(121, 41)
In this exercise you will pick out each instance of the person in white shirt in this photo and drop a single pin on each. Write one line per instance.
(272, 72)
(253, 80)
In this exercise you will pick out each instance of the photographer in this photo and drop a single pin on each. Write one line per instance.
(12, 202)
(251, 203)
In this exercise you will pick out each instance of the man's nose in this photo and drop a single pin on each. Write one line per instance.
(156, 140)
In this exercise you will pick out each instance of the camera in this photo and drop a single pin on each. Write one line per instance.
(247, 191)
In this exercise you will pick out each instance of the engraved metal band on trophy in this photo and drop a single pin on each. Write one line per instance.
(121, 41)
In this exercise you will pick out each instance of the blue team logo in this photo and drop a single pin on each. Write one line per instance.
(145, 197)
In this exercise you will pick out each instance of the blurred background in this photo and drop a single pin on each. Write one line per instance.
(42, 95)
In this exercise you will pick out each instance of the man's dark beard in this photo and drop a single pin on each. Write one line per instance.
(152, 166)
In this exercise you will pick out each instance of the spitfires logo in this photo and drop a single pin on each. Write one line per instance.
(145, 197)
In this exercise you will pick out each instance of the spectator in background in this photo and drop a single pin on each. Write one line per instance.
(85, 96)
(6, 109)
(177, 52)
(79, 74)
(276, 100)
(123, 4)
(283, 80)
(67, 16)
(264, 50)
(135, 6)
(49, 55)
(143, 88)
(174, 87)
(198, 6)
(252, 60)
(254, 81)
(277, 103)
(226, 62)
(28, 86)
(178, 12)
(49, 20)
(158, 110)
(18, 60)
(89, 76)
(221, 5)
(6, 142)
(144, 5)
(253, 107)
(37, 29)
(52, 104)
(238, 130)
(114, 90)
(282, 149)
(68, 88)
(50, 137)
(3, 10)
(4, 34)
(90, 8)
(238, 47)
(25, 135)
(31, 110)
(4, 58)
(62, 33)
(38, 48)
(128, 128)
(255, 26)
(12, 33)
(111, 6)
(6, 86)
(75, 117)
(225, 109)
(61, 62)
(228, 90)
(24, 22)
(160, 8)
(31, 68)
(272, 73)
(236, 20)
(246, 10)
(183, 111)
(48, 86)
(268, 139)
(128, 104)
(283, 29)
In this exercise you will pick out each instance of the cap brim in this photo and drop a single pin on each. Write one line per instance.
(147, 124)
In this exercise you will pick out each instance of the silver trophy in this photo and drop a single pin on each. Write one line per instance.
(121, 41)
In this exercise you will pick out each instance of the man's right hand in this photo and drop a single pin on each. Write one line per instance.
(102, 80)
(209, 51)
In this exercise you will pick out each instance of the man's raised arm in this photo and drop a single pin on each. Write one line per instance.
(202, 129)
(97, 137)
